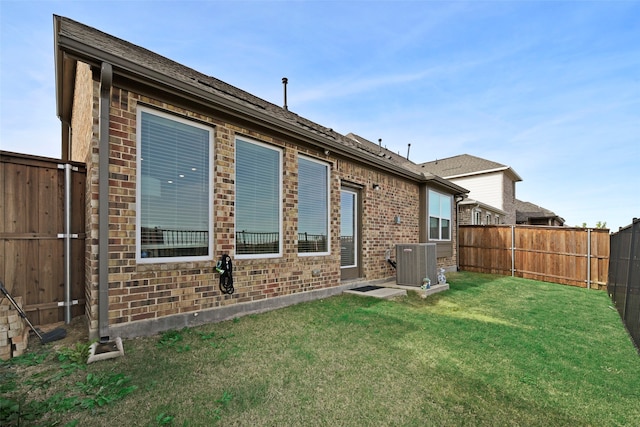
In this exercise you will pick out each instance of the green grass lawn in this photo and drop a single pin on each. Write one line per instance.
(491, 351)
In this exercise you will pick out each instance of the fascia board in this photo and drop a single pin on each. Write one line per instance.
(455, 188)
(482, 205)
(487, 171)
(94, 57)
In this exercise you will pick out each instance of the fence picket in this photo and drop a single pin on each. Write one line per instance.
(552, 254)
(31, 217)
(624, 277)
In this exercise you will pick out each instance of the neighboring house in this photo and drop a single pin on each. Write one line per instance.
(491, 185)
(530, 214)
(474, 212)
(183, 168)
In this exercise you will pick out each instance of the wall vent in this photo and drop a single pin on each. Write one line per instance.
(415, 262)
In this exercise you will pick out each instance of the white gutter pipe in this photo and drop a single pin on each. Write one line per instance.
(67, 243)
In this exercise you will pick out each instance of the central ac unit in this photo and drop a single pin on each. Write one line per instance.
(416, 262)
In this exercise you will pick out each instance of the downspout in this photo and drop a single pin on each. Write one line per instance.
(67, 243)
(106, 78)
(67, 236)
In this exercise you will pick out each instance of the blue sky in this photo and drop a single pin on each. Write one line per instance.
(550, 88)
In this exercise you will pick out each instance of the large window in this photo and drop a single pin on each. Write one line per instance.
(439, 216)
(313, 206)
(258, 200)
(174, 193)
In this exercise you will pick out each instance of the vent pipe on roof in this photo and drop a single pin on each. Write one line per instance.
(284, 83)
(380, 142)
(408, 149)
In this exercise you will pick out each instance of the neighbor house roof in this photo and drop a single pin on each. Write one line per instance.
(76, 41)
(465, 165)
(526, 211)
(378, 150)
(478, 204)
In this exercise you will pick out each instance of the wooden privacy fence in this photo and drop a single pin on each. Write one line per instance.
(624, 277)
(32, 235)
(570, 256)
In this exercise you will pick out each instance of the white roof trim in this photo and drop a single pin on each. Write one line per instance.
(504, 168)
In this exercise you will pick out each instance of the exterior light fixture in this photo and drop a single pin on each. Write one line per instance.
(376, 187)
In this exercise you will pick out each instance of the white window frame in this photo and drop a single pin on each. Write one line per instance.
(429, 216)
(477, 218)
(356, 226)
(280, 205)
(328, 224)
(139, 259)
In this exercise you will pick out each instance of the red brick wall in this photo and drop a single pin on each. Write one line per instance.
(156, 291)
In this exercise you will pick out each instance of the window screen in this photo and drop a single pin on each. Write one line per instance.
(439, 216)
(258, 200)
(174, 190)
(313, 206)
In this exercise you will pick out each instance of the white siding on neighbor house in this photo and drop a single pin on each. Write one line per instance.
(486, 188)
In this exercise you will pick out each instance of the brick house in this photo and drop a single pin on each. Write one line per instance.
(191, 168)
(530, 214)
(492, 188)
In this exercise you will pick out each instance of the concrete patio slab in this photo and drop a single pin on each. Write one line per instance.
(387, 289)
(381, 292)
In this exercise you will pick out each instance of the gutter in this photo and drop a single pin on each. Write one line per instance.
(128, 69)
(106, 79)
(487, 171)
(477, 204)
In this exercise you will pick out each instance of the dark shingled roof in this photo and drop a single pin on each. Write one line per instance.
(527, 210)
(382, 152)
(464, 164)
(94, 47)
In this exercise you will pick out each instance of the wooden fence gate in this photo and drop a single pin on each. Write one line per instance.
(32, 231)
(570, 256)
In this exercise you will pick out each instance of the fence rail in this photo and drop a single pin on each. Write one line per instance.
(623, 284)
(32, 231)
(248, 242)
(571, 256)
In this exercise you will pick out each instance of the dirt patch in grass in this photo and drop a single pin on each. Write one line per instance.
(77, 332)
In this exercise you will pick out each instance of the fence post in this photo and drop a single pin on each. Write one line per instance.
(513, 250)
(67, 241)
(588, 258)
(632, 252)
